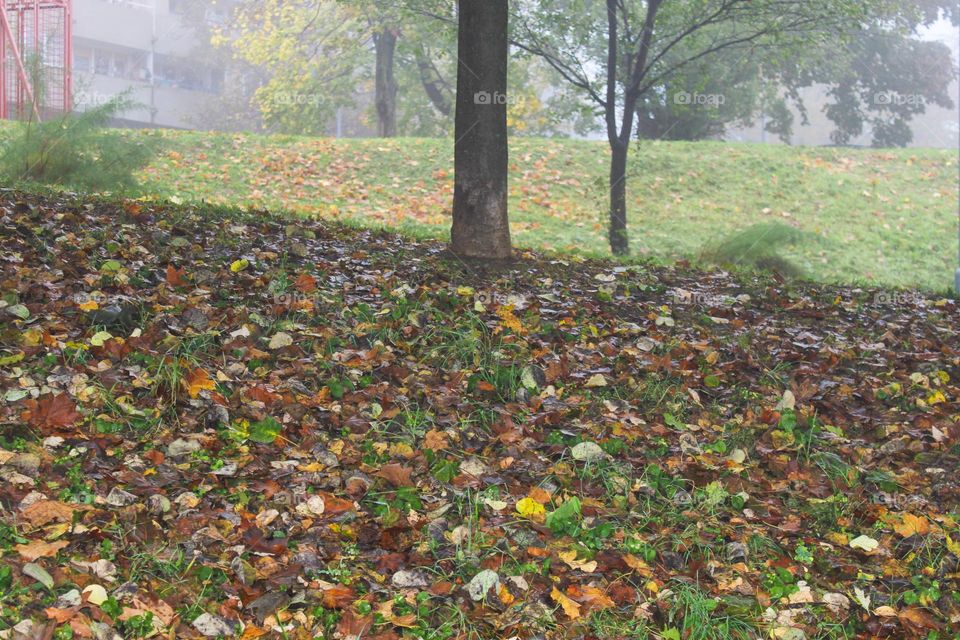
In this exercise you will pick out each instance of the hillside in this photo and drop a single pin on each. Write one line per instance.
(886, 217)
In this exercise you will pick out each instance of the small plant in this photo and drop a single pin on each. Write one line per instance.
(75, 150)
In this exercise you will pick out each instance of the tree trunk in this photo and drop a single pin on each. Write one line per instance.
(480, 225)
(433, 83)
(619, 242)
(385, 45)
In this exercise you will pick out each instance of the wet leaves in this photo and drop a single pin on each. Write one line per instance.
(271, 427)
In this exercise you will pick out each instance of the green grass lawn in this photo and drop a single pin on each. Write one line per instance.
(885, 217)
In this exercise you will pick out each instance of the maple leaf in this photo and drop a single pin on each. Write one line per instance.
(175, 277)
(912, 525)
(197, 380)
(54, 411)
(396, 474)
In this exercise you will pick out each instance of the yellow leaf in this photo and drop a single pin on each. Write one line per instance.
(239, 265)
(89, 305)
(570, 558)
(530, 508)
(571, 608)
(936, 397)
(912, 525)
(953, 547)
(505, 596)
(597, 380)
(508, 320)
(638, 565)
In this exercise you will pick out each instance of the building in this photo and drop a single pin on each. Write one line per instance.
(146, 48)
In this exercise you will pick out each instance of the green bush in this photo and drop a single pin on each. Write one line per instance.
(76, 150)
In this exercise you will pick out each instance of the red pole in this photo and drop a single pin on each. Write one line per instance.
(24, 79)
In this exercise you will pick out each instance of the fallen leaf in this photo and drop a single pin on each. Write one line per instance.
(37, 549)
(570, 607)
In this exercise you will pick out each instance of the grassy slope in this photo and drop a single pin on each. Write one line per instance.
(885, 216)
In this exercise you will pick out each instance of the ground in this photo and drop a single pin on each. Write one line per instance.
(882, 216)
(219, 422)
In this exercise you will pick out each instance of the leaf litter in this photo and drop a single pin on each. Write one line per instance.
(225, 423)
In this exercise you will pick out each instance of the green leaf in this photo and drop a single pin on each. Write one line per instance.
(564, 515)
(265, 431)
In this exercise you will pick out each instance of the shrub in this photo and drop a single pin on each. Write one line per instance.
(76, 150)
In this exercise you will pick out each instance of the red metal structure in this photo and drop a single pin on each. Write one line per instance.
(35, 58)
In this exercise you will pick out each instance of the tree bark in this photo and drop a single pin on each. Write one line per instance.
(619, 241)
(620, 140)
(385, 46)
(480, 224)
(433, 83)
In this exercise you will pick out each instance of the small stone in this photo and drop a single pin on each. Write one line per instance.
(266, 605)
(182, 447)
(482, 583)
(158, 504)
(414, 578)
(120, 498)
(69, 599)
(736, 552)
(216, 416)
(26, 463)
(212, 626)
(195, 319)
(587, 452)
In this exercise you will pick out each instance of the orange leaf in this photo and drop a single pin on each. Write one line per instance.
(37, 549)
(175, 276)
(305, 283)
(912, 525)
(43, 511)
(338, 597)
(571, 608)
(196, 381)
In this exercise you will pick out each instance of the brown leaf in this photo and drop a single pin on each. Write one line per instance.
(917, 620)
(338, 597)
(43, 511)
(60, 615)
(396, 474)
(37, 549)
(353, 625)
(54, 411)
(175, 276)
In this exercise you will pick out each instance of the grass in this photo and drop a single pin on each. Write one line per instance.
(881, 217)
